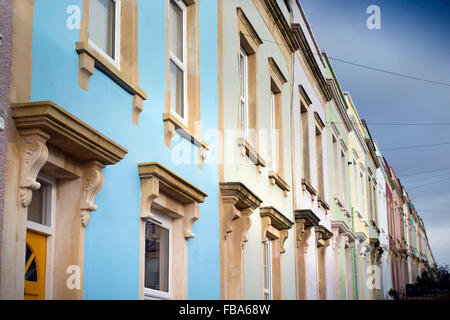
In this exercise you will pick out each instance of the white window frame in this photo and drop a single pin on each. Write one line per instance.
(244, 95)
(179, 64)
(48, 231)
(363, 203)
(273, 131)
(151, 294)
(117, 36)
(267, 257)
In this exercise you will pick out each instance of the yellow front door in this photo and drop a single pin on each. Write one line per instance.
(35, 260)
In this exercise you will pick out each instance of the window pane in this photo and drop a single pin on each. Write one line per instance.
(156, 257)
(38, 210)
(267, 261)
(273, 132)
(176, 30)
(244, 119)
(102, 14)
(176, 89)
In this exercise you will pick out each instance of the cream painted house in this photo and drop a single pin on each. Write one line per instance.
(257, 252)
(314, 252)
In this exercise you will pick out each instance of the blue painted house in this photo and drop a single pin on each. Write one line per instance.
(112, 173)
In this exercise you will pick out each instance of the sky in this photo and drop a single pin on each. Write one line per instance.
(414, 39)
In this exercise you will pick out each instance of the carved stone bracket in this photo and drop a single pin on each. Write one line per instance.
(92, 183)
(304, 220)
(323, 235)
(35, 154)
(237, 201)
(274, 222)
(155, 180)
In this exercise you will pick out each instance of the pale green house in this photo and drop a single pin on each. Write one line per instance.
(339, 128)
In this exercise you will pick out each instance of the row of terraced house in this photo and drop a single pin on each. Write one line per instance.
(189, 149)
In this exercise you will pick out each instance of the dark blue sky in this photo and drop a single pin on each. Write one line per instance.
(414, 40)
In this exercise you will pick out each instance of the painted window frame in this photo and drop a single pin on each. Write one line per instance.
(164, 222)
(48, 231)
(243, 96)
(182, 65)
(267, 270)
(117, 37)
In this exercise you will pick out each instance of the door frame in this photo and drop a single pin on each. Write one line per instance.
(49, 232)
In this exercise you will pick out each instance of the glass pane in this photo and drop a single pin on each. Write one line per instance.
(38, 211)
(273, 132)
(176, 30)
(31, 273)
(102, 15)
(156, 257)
(242, 71)
(244, 120)
(176, 89)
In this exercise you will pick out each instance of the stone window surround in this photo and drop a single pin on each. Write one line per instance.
(173, 196)
(319, 127)
(249, 41)
(305, 104)
(191, 130)
(277, 81)
(127, 76)
(54, 141)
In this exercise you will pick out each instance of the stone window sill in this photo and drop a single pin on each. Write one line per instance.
(251, 153)
(323, 203)
(172, 124)
(275, 178)
(307, 186)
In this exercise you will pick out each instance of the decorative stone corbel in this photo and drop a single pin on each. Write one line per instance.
(169, 132)
(150, 191)
(137, 108)
(246, 223)
(92, 183)
(238, 204)
(86, 66)
(300, 231)
(275, 224)
(201, 155)
(158, 181)
(35, 155)
(283, 236)
(192, 214)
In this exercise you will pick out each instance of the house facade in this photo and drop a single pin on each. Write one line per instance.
(107, 176)
(257, 257)
(314, 250)
(339, 156)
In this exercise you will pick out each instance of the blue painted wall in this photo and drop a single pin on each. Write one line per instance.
(112, 236)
